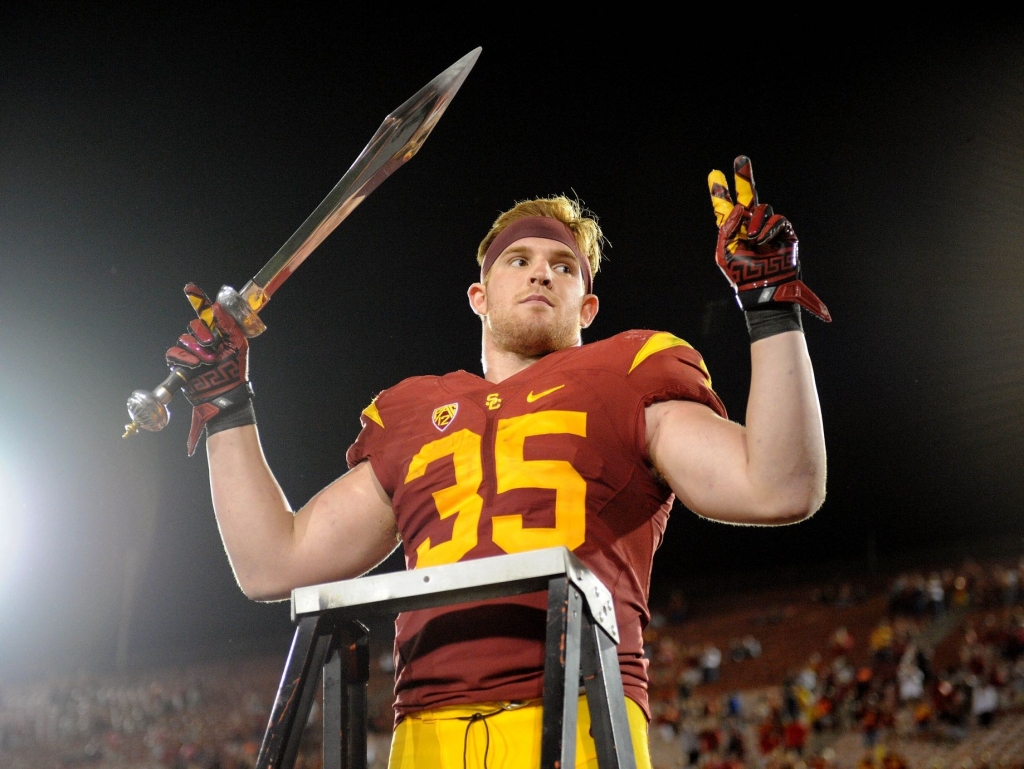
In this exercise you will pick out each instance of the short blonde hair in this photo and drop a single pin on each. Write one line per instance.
(572, 213)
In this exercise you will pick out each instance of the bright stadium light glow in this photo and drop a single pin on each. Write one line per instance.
(12, 521)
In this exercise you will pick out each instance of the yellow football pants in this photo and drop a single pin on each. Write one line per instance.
(488, 736)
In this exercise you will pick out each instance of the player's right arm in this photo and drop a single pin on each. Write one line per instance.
(342, 532)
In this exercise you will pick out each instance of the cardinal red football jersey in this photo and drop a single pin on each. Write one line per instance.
(553, 456)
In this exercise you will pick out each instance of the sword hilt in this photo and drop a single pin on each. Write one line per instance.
(148, 409)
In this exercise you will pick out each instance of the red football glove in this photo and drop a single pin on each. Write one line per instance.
(757, 249)
(215, 354)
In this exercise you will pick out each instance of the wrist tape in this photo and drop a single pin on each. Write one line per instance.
(764, 322)
(235, 410)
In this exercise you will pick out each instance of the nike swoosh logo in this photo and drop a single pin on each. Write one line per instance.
(530, 397)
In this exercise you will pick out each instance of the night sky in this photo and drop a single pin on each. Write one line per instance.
(142, 151)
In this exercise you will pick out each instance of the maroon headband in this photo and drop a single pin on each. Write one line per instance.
(536, 227)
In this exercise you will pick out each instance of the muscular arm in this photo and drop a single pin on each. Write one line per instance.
(342, 532)
(769, 471)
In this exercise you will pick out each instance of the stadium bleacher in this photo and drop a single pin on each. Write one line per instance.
(803, 672)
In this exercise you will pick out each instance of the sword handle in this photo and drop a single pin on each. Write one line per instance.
(148, 410)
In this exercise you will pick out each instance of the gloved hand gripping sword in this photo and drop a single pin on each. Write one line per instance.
(210, 363)
(757, 251)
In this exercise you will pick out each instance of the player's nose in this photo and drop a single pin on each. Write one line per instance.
(541, 273)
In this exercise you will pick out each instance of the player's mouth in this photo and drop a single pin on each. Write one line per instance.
(538, 298)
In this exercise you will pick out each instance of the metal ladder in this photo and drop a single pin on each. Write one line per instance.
(329, 640)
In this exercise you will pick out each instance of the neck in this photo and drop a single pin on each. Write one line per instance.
(499, 364)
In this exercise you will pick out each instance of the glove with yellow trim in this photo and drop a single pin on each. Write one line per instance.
(215, 353)
(758, 253)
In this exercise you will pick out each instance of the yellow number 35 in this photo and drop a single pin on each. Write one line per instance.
(511, 471)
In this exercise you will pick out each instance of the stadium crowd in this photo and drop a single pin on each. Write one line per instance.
(941, 663)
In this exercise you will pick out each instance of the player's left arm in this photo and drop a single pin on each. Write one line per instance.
(770, 470)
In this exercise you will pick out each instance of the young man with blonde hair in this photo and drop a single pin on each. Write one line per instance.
(558, 443)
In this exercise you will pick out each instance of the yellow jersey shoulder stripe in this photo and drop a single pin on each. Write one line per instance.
(371, 413)
(663, 341)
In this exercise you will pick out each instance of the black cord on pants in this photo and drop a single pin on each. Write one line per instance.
(487, 732)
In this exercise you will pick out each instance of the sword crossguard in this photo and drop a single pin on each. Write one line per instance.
(241, 309)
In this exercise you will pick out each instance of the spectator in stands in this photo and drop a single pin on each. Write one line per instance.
(910, 678)
(734, 706)
(709, 738)
(823, 711)
(667, 651)
(951, 704)
(688, 743)
(711, 663)
(753, 646)
(737, 652)
(842, 642)
(794, 736)
(984, 701)
(960, 598)
(936, 595)
(1014, 644)
(770, 732)
(869, 719)
(734, 748)
(881, 642)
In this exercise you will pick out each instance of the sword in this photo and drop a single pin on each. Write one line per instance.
(399, 137)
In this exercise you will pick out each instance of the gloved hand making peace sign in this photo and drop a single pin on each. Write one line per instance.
(757, 251)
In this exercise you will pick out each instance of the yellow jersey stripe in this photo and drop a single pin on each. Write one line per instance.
(371, 413)
(663, 341)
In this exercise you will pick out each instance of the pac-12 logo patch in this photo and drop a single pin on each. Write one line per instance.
(444, 416)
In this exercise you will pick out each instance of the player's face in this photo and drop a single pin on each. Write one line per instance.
(534, 302)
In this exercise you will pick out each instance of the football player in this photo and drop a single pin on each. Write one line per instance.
(554, 443)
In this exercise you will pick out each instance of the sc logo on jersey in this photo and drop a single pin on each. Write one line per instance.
(444, 416)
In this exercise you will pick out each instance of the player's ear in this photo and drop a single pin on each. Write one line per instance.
(588, 310)
(478, 298)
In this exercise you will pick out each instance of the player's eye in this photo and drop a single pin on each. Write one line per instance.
(564, 268)
(517, 261)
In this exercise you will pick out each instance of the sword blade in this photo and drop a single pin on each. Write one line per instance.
(399, 137)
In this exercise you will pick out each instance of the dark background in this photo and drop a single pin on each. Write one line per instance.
(145, 149)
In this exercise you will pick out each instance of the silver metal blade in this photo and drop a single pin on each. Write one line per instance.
(399, 137)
